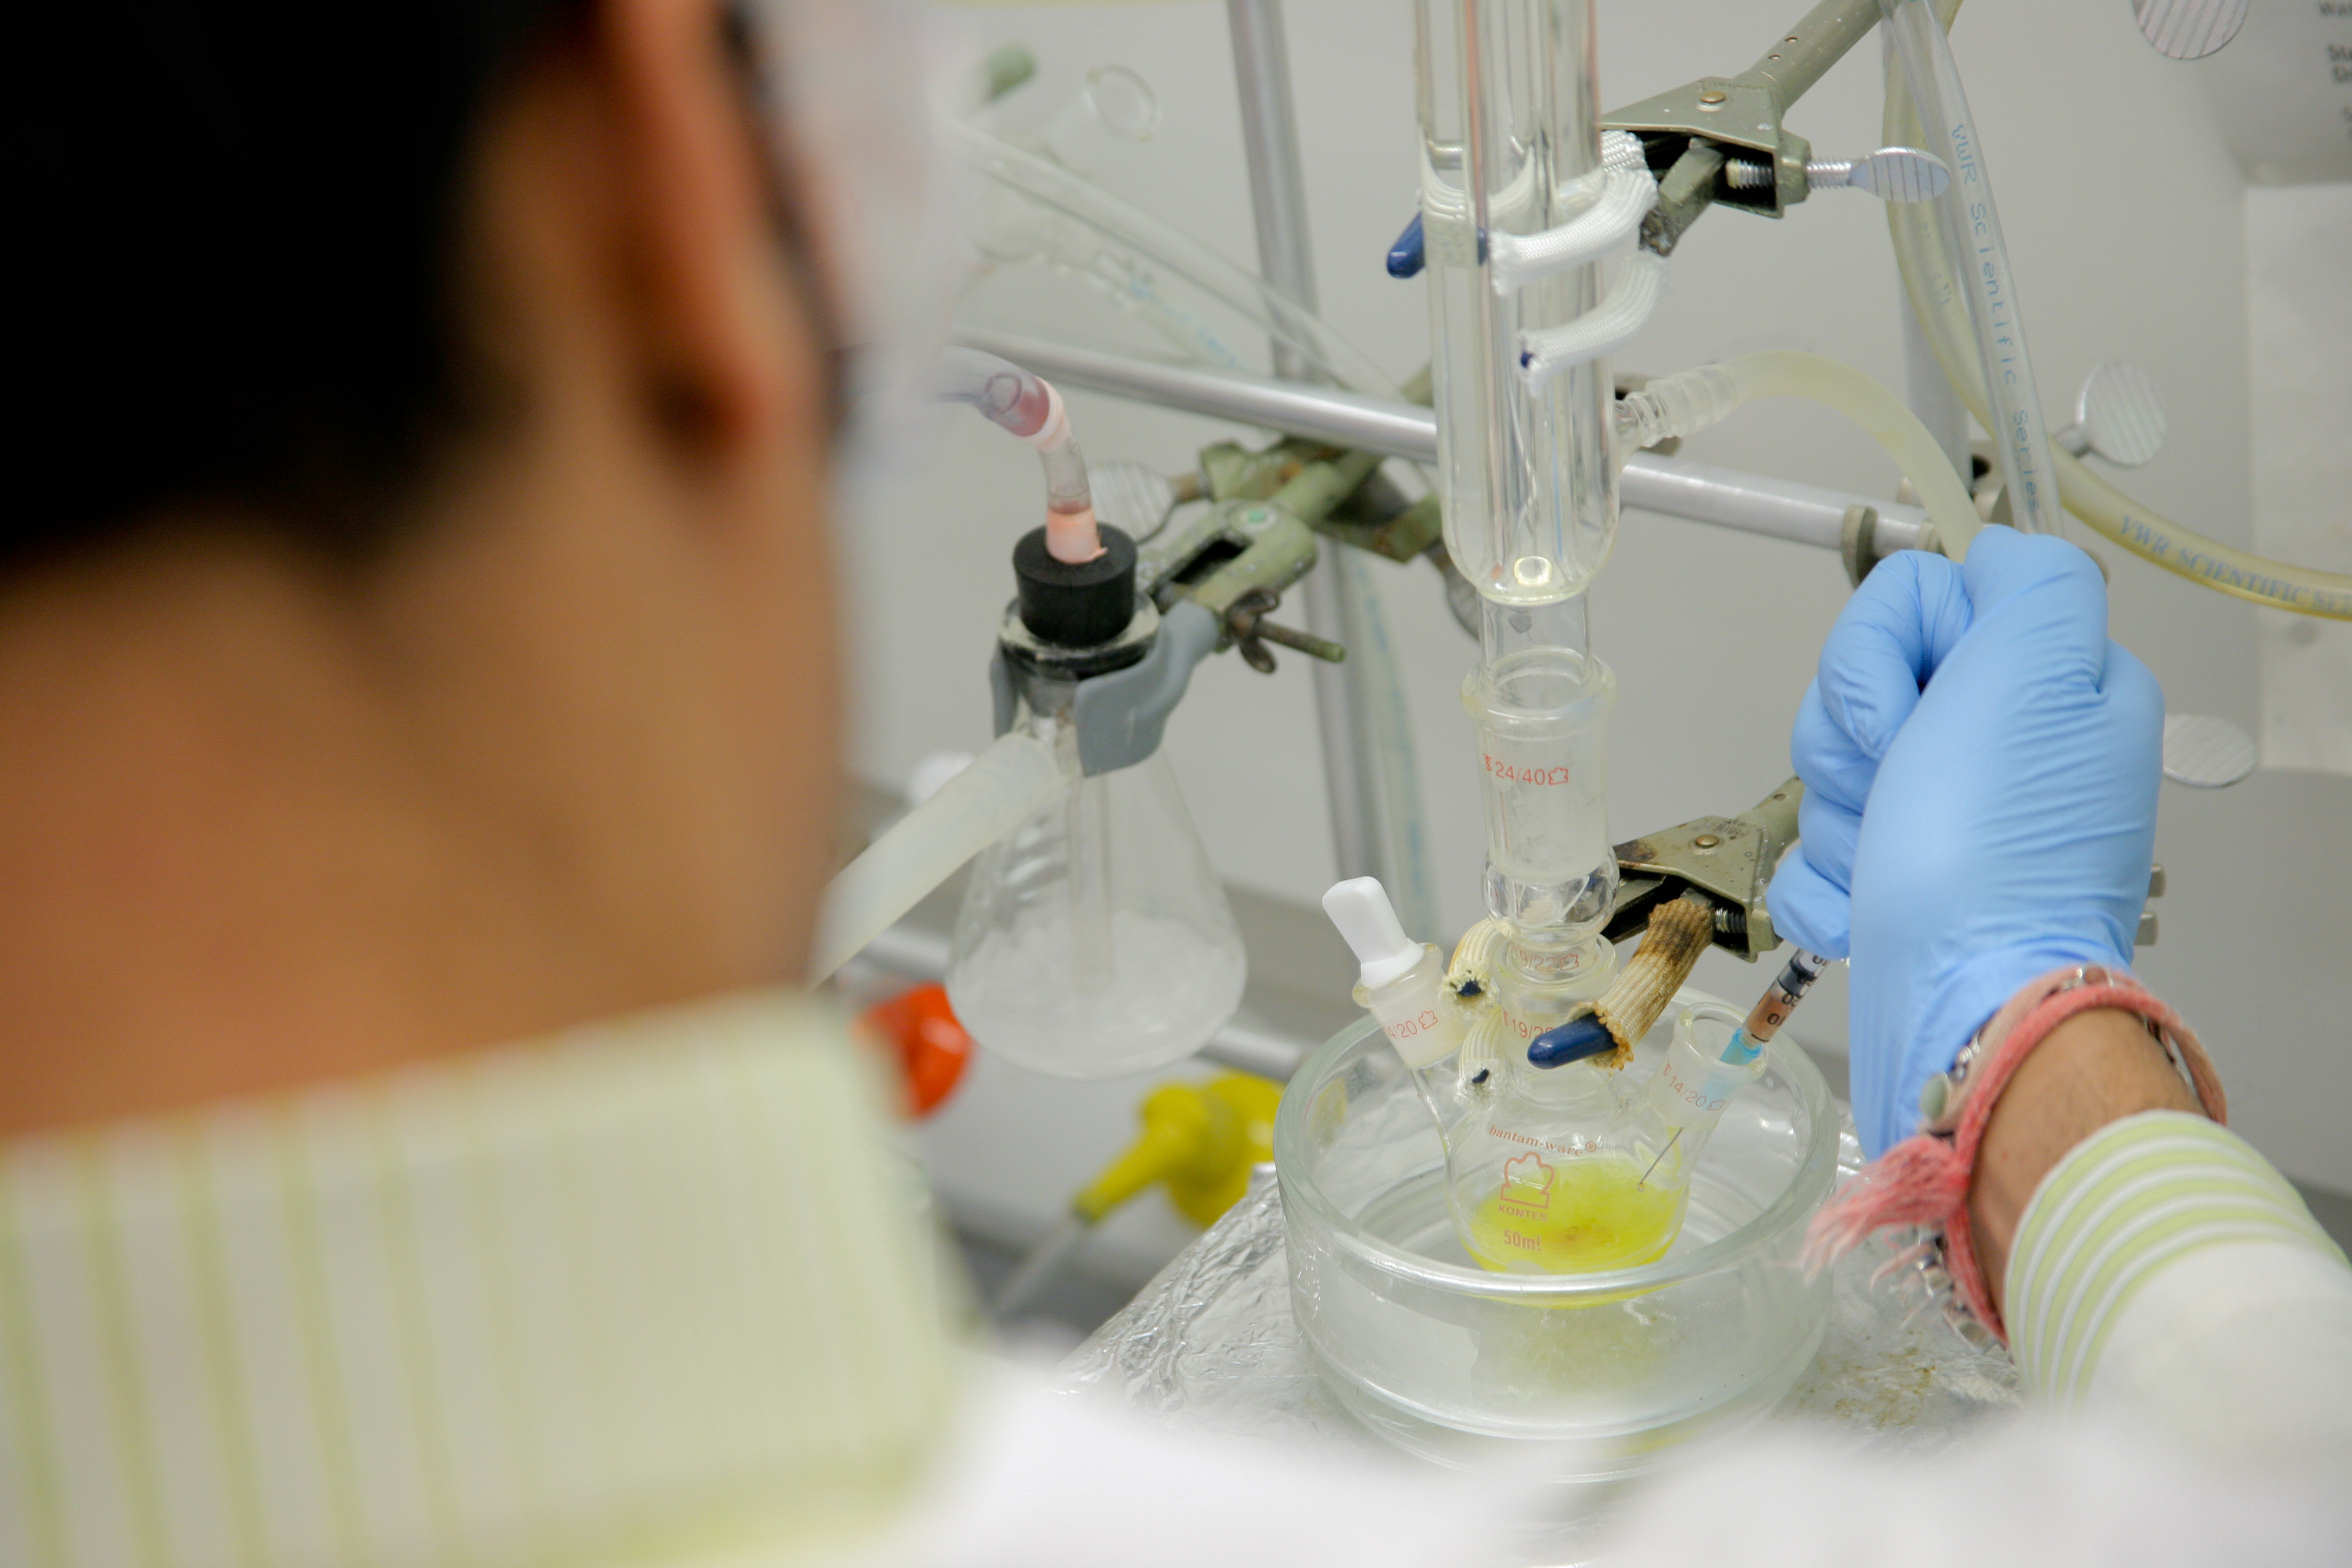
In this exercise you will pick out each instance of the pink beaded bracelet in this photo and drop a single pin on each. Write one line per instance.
(1924, 1181)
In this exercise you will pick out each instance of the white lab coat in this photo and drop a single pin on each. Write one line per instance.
(654, 1293)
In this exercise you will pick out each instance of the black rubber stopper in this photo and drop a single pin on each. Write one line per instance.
(1076, 605)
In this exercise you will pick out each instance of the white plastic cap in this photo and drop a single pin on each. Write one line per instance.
(1360, 907)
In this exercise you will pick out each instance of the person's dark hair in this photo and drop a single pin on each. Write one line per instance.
(237, 256)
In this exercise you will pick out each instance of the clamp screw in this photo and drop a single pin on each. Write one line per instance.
(1251, 632)
(1890, 173)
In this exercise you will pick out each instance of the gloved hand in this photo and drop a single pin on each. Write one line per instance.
(1981, 768)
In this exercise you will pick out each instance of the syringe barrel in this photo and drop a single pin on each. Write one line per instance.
(1781, 998)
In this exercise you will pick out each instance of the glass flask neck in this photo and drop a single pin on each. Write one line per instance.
(1505, 629)
(1579, 1086)
(1541, 978)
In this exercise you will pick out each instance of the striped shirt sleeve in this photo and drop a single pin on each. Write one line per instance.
(2165, 1267)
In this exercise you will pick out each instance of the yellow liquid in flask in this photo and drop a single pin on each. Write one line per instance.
(1573, 1217)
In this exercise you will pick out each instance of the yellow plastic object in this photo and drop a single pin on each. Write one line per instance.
(1200, 1138)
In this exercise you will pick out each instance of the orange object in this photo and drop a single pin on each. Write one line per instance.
(919, 1031)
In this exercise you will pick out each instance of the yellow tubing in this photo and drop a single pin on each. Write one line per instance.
(1693, 399)
(1886, 417)
(2305, 590)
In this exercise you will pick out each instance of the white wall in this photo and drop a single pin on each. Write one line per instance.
(2124, 216)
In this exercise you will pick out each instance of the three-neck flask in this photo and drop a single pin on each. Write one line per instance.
(1548, 1170)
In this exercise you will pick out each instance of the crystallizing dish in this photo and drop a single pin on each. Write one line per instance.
(1582, 1378)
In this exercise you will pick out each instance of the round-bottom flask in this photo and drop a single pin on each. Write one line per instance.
(1545, 1181)
(1540, 1172)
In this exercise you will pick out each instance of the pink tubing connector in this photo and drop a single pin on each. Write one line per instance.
(1072, 537)
(1028, 406)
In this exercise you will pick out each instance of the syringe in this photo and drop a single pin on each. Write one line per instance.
(1781, 997)
(1740, 1055)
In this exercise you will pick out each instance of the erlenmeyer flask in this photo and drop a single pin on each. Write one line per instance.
(1095, 940)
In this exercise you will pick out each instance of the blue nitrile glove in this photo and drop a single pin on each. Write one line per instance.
(1980, 766)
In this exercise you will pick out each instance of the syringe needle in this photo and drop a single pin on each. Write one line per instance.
(1662, 1154)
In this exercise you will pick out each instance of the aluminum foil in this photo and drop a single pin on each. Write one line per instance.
(1211, 1344)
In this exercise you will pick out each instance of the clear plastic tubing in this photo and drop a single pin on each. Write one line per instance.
(2156, 539)
(1004, 786)
(1693, 399)
(1140, 249)
(1029, 407)
(1510, 145)
(1149, 250)
(1972, 237)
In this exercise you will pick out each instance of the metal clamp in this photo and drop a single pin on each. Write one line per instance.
(1858, 542)
(1120, 717)
(1890, 173)
(1246, 623)
(1695, 130)
(1728, 860)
